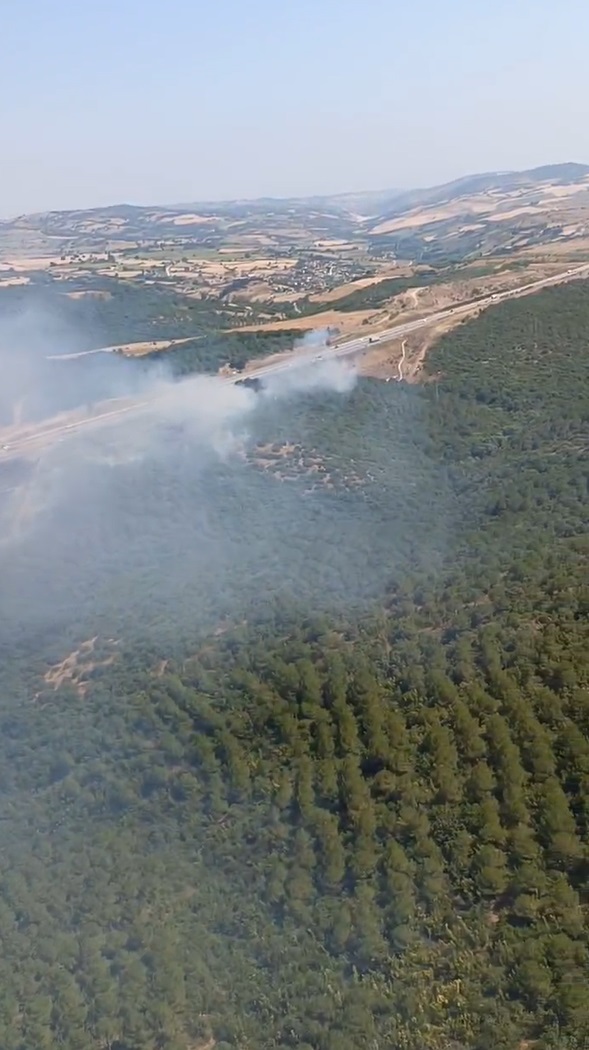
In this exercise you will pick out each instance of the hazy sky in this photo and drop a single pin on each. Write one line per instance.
(163, 101)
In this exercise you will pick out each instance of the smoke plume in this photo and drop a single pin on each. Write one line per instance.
(156, 507)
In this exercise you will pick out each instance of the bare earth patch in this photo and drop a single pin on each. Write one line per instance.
(34, 263)
(77, 667)
(346, 322)
(383, 361)
(140, 349)
(292, 462)
(192, 220)
(364, 282)
(493, 205)
(7, 282)
(90, 294)
(226, 269)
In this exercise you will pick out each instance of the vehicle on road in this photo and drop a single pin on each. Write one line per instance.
(253, 382)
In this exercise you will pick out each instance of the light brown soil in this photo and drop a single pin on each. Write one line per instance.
(34, 263)
(346, 322)
(413, 303)
(262, 292)
(494, 205)
(424, 216)
(332, 244)
(235, 268)
(383, 361)
(576, 249)
(76, 667)
(192, 220)
(409, 305)
(290, 462)
(364, 282)
(7, 282)
(90, 294)
(140, 349)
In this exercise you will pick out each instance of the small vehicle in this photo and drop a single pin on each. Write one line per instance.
(253, 382)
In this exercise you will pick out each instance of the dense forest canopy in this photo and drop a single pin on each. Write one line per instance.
(355, 813)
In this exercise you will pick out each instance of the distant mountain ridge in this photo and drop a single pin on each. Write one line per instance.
(568, 172)
(473, 216)
(376, 201)
(379, 200)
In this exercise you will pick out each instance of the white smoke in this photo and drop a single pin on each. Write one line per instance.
(210, 413)
(316, 338)
(319, 375)
(213, 412)
(160, 490)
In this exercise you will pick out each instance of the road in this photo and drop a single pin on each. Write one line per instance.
(81, 353)
(399, 331)
(401, 362)
(54, 430)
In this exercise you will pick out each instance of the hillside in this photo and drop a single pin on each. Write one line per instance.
(499, 181)
(533, 207)
(325, 776)
(491, 214)
(234, 281)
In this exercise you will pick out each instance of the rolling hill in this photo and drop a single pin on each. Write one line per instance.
(472, 216)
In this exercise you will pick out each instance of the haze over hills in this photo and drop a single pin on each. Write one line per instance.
(469, 217)
(294, 615)
(294, 688)
(501, 181)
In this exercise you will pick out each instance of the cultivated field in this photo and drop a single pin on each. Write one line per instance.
(355, 264)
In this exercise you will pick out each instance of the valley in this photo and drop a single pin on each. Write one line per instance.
(295, 689)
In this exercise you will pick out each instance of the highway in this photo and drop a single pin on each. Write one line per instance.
(51, 430)
(400, 331)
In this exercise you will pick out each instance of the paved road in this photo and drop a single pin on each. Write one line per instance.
(399, 331)
(51, 431)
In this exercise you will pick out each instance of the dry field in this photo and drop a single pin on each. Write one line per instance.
(90, 294)
(575, 250)
(382, 361)
(10, 282)
(225, 269)
(538, 220)
(346, 322)
(431, 298)
(23, 264)
(497, 206)
(141, 349)
(193, 220)
(364, 282)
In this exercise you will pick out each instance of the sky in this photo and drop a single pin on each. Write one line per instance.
(145, 102)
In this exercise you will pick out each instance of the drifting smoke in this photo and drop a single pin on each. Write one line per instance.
(182, 510)
(40, 379)
(323, 375)
(159, 507)
(314, 339)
